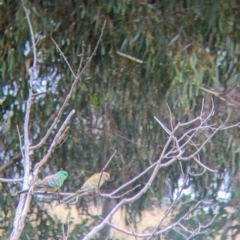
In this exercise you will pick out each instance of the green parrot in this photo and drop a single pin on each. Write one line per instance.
(50, 183)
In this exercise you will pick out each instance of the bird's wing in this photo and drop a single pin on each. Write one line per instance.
(94, 180)
(91, 182)
(52, 181)
(89, 186)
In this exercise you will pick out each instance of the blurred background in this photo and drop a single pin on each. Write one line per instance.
(152, 53)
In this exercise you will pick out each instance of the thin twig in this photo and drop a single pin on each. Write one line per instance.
(123, 137)
(64, 57)
(167, 212)
(54, 143)
(60, 112)
(159, 164)
(163, 126)
(21, 211)
(129, 57)
(122, 195)
(9, 180)
(20, 141)
(133, 179)
(163, 230)
(204, 166)
(31, 34)
(197, 174)
(82, 58)
(94, 51)
(134, 234)
(12, 161)
(171, 116)
(44, 160)
(104, 168)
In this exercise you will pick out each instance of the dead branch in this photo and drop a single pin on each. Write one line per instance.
(25, 199)
(106, 165)
(19, 218)
(177, 148)
(77, 77)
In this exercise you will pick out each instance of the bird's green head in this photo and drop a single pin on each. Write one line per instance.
(62, 174)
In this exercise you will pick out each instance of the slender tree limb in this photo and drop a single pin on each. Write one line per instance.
(54, 143)
(197, 174)
(167, 212)
(129, 57)
(157, 233)
(12, 161)
(82, 58)
(24, 202)
(20, 141)
(65, 59)
(122, 195)
(174, 147)
(31, 34)
(20, 215)
(9, 180)
(60, 112)
(106, 165)
(204, 166)
(133, 233)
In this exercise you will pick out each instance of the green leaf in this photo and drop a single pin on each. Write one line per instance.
(173, 40)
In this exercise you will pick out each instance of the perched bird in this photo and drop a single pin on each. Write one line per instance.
(91, 185)
(50, 183)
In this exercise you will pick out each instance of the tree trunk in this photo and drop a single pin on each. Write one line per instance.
(108, 205)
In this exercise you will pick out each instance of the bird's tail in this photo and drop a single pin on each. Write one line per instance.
(19, 192)
(76, 195)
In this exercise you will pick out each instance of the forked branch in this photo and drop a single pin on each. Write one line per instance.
(179, 147)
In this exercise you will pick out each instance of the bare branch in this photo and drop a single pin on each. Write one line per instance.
(185, 147)
(133, 180)
(163, 230)
(122, 137)
(122, 195)
(171, 116)
(81, 61)
(31, 34)
(132, 229)
(129, 57)
(12, 161)
(110, 159)
(202, 145)
(123, 202)
(197, 174)
(60, 112)
(20, 214)
(9, 180)
(172, 151)
(167, 212)
(20, 141)
(163, 126)
(54, 143)
(204, 166)
(65, 59)
(94, 51)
